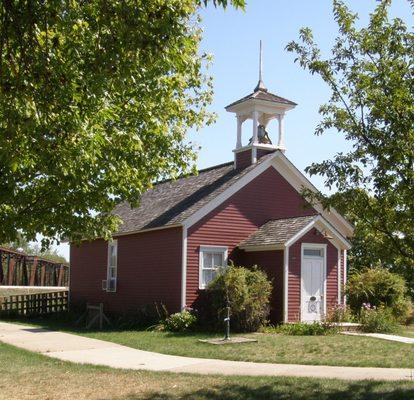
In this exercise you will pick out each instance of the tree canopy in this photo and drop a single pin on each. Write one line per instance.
(95, 101)
(370, 73)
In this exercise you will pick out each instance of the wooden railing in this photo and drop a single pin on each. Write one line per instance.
(21, 269)
(34, 304)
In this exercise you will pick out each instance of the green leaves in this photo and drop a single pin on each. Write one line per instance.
(370, 73)
(95, 102)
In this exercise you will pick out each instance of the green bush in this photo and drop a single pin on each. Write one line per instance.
(379, 320)
(379, 287)
(302, 329)
(339, 313)
(248, 291)
(178, 322)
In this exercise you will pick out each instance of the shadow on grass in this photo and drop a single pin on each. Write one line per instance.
(294, 389)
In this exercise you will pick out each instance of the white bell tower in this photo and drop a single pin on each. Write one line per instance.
(261, 107)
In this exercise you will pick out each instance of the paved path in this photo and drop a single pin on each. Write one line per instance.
(393, 338)
(80, 349)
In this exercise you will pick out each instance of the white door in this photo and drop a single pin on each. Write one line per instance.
(313, 278)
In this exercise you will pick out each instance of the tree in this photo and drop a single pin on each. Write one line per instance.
(95, 101)
(371, 77)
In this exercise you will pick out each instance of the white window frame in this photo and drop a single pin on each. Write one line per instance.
(210, 249)
(113, 243)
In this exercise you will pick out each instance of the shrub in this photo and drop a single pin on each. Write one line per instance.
(339, 313)
(303, 329)
(178, 322)
(248, 291)
(380, 320)
(380, 288)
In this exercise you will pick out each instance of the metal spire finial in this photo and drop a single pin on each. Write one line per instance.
(260, 84)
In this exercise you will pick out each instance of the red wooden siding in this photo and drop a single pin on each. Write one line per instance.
(272, 263)
(294, 280)
(243, 158)
(269, 196)
(149, 270)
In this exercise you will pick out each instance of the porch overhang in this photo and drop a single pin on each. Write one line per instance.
(282, 233)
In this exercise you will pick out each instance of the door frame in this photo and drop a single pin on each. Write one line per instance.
(324, 247)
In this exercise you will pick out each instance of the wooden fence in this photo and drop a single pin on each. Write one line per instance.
(34, 304)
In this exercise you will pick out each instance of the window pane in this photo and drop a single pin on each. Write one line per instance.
(207, 260)
(112, 272)
(313, 252)
(218, 260)
(112, 255)
(207, 276)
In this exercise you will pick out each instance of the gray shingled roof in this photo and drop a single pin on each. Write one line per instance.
(263, 95)
(171, 202)
(277, 232)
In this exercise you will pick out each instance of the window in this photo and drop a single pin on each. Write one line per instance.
(112, 266)
(313, 252)
(211, 259)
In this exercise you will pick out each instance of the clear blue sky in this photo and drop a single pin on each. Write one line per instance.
(232, 37)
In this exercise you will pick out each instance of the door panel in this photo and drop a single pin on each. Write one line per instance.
(312, 288)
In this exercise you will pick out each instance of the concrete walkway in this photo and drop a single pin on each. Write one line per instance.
(392, 338)
(84, 350)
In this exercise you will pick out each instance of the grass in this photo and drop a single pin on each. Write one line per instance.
(339, 350)
(25, 375)
(408, 331)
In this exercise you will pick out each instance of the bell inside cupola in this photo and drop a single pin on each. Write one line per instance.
(261, 107)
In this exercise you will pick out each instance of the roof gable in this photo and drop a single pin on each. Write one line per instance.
(280, 233)
(170, 203)
(187, 200)
(277, 232)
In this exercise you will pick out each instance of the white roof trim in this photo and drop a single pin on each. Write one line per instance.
(320, 221)
(292, 175)
(264, 247)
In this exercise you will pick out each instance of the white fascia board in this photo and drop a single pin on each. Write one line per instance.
(302, 232)
(222, 197)
(265, 247)
(321, 222)
(338, 238)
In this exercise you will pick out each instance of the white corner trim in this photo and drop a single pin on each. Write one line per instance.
(339, 276)
(345, 273)
(286, 284)
(209, 248)
(230, 191)
(323, 246)
(184, 270)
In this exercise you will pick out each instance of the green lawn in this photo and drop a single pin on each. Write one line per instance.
(408, 331)
(25, 375)
(318, 350)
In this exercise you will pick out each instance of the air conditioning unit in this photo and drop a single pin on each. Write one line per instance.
(111, 285)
